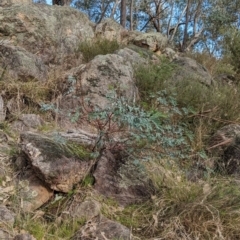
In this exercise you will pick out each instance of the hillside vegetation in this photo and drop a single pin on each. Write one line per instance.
(164, 130)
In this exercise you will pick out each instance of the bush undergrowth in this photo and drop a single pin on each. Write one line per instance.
(100, 46)
(41, 229)
(153, 78)
(209, 108)
(142, 128)
(181, 209)
(169, 112)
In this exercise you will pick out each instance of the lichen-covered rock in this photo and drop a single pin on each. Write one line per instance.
(153, 41)
(105, 73)
(88, 86)
(133, 57)
(110, 30)
(85, 210)
(24, 236)
(21, 64)
(5, 234)
(190, 69)
(7, 217)
(58, 163)
(33, 192)
(7, 3)
(102, 228)
(121, 180)
(27, 122)
(41, 35)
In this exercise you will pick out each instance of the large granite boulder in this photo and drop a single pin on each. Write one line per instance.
(21, 64)
(7, 3)
(106, 73)
(88, 86)
(111, 30)
(189, 69)
(57, 162)
(153, 41)
(34, 38)
(122, 180)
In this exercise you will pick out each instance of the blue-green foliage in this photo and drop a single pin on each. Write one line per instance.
(142, 128)
(72, 82)
(47, 107)
(131, 128)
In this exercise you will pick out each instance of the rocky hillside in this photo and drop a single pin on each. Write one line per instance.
(111, 134)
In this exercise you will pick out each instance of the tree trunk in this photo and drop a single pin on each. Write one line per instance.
(131, 15)
(114, 8)
(187, 20)
(123, 13)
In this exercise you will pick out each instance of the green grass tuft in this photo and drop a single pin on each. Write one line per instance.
(101, 46)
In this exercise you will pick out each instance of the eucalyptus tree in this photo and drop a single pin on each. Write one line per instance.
(201, 24)
(98, 10)
(188, 24)
(221, 22)
(123, 13)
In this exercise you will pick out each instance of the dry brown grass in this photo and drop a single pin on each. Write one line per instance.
(183, 210)
(28, 95)
(212, 64)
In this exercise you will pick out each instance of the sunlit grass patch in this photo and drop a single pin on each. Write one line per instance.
(100, 46)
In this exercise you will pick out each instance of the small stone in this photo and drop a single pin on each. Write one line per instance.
(6, 216)
(86, 210)
(24, 236)
(102, 228)
(33, 191)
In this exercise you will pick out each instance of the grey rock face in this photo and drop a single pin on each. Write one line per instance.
(104, 73)
(110, 30)
(27, 122)
(21, 64)
(85, 210)
(6, 216)
(102, 228)
(122, 181)
(89, 85)
(189, 69)
(57, 164)
(7, 3)
(153, 41)
(34, 193)
(24, 236)
(32, 38)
